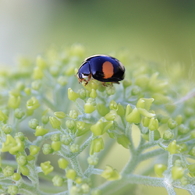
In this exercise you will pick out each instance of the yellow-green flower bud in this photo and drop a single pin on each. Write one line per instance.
(32, 104)
(85, 188)
(179, 119)
(14, 101)
(55, 123)
(177, 172)
(62, 80)
(110, 174)
(12, 189)
(58, 181)
(73, 114)
(145, 121)
(120, 111)
(134, 116)
(145, 113)
(16, 176)
(159, 169)
(40, 131)
(74, 148)
(168, 134)
(89, 108)
(92, 160)
(72, 95)
(21, 160)
(27, 90)
(33, 123)
(113, 105)
(102, 109)
(18, 113)
(66, 139)
(24, 170)
(36, 85)
(110, 90)
(111, 115)
(70, 124)
(3, 117)
(101, 127)
(127, 83)
(124, 141)
(63, 163)
(128, 110)
(37, 73)
(71, 174)
(8, 171)
(82, 93)
(34, 149)
(182, 129)
(46, 167)
(153, 125)
(173, 148)
(60, 115)
(135, 90)
(96, 145)
(56, 145)
(7, 129)
(47, 149)
(144, 103)
(45, 119)
(93, 93)
(171, 123)
(82, 128)
(55, 137)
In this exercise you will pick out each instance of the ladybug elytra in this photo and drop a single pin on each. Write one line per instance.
(102, 68)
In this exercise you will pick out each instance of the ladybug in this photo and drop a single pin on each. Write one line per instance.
(102, 68)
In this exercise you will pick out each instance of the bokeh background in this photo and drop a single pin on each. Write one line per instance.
(162, 31)
(158, 30)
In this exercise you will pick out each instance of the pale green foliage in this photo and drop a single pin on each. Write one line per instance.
(52, 125)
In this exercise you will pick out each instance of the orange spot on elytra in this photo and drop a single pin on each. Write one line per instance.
(107, 69)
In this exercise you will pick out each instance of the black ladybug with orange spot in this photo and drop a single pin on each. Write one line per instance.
(102, 68)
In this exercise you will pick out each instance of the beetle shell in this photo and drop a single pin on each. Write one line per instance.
(102, 68)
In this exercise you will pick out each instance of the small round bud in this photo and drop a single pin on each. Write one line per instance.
(55, 123)
(168, 134)
(60, 115)
(33, 123)
(66, 139)
(47, 167)
(18, 113)
(71, 174)
(34, 149)
(63, 163)
(56, 145)
(22, 160)
(12, 190)
(47, 149)
(74, 148)
(73, 114)
(57, 180)
(171, 124)
(92, 160)
(36, 85)
(55, 137)
(7, 129)
(24, 170)
(159, 169)
(8, 171)
(16, 176)
(177, 172)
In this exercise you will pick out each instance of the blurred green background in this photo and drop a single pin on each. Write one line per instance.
(156, 30)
